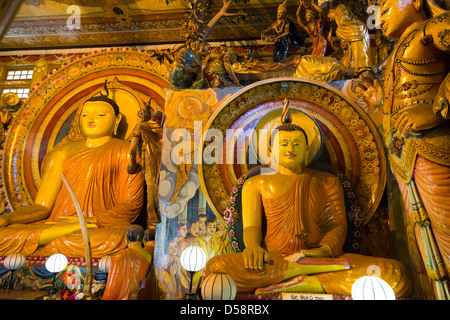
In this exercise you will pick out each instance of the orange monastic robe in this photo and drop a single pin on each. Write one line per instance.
(100, 181)
(129, 268)
(310, 214)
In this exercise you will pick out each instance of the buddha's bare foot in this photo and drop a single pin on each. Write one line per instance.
(299, 283)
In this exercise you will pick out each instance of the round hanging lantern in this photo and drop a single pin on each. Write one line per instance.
(219, 286)
(105, 263)
(56, 263)
(372, 288)
(193, 259)
(14, 261)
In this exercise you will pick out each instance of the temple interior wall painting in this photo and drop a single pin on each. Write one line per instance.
(152, 129)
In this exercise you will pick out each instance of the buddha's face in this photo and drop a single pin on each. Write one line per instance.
(97, 119)
(397, 16)
(290, 148)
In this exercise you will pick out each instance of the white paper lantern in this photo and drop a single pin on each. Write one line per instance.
(14, 261)
(56, 263)
(372, 288)
(219, 286)
(105, 263)
(193, 259)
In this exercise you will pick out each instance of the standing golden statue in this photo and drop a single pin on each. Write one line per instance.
(146, 145)
(305, 229)
(416, 127)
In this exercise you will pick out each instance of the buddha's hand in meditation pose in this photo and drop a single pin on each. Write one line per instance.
(254, 257)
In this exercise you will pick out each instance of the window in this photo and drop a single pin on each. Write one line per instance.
(17, 80)
(19, 75)
(21, 92)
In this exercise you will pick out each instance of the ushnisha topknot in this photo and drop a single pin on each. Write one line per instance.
(286, 114)
(287, 125)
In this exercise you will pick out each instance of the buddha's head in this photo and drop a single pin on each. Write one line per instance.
(99, 117)
(289, 146)
(397, 16)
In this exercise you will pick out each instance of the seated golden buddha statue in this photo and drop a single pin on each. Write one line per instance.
(95, 167)
(299, 247)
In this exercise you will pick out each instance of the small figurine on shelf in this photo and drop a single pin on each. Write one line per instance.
(283, 33)
(354, 37)
(313, 26)
(219, 72)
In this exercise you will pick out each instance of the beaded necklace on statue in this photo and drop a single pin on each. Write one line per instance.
(280, 29)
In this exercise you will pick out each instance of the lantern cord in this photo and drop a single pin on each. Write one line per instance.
(87, 243)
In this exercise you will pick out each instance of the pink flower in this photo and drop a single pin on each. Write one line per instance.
(231, 209)
(226, 214)
(361, 214)
(235, 244)
(351, 195)
(240, 181)
(230, 222)
(346, 184)
(232, 233)
(351, 214)
(235, 190)
(232, 199)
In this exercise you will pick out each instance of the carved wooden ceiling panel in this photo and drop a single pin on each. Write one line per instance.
(81, 23)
